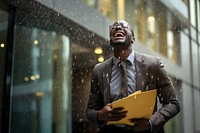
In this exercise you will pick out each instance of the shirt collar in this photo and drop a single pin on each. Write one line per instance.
(130, 58)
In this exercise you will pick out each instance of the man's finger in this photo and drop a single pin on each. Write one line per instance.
(118, 109)
(114, 117)
(119, 112)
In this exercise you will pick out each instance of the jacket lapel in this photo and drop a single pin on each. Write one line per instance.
(141, 72)
(106, 80)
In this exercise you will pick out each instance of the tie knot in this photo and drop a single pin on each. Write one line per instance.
(123, 64)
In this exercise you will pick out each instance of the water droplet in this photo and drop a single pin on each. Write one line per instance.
(161, 99)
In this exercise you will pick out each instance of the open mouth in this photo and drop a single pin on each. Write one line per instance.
(119, 35)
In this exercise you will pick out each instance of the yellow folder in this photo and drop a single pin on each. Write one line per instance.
(139, 105)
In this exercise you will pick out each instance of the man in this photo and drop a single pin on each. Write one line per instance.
(144, 73)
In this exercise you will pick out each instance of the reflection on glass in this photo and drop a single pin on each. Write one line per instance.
(98, 50)
(101, 59)
(170, 44)
(2, 45)
(173, 44)
(41, 82)
(3, 37)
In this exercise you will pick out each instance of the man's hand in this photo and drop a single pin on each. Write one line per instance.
(110, 114)
(140, 125)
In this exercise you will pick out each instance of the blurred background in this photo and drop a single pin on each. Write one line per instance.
(48, 49)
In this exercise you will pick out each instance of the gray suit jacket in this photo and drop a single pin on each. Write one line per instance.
(150, 74)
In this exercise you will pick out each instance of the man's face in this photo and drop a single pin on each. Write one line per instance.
(120, 34)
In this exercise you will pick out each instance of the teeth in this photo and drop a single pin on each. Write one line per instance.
(119, 34)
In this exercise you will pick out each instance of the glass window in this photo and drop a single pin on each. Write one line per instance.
(168, 36)
(197, 108)
(198, 15)
(92, 3)
(193, 33)
(188, 108)
(41, 81)
(3, 39)
(170, 43)
(151, 27)
(165, 38)
(185, 55)
(195, 63)
(140, 21)
(155, 29)
(108, 8)
(86, 53)
(192, 12)
(173, 39)
(129, 12)
(151, 30)
(186, 2)
(173, 126)
(120, 9)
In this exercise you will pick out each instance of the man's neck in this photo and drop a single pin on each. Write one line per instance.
(122, 52)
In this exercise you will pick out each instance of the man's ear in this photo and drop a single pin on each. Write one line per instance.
(132, 39)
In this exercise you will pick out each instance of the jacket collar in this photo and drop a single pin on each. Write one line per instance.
(139, 57)
(141, 71)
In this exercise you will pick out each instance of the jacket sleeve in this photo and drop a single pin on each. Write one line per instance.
(95, 102)
(168, 98)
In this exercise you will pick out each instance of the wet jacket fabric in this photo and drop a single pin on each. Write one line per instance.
(150, 74)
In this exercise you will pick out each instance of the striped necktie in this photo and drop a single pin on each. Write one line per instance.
(124, 86)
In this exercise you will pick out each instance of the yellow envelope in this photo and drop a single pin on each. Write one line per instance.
(139, 105)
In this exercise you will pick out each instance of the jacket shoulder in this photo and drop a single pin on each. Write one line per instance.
(148, 59)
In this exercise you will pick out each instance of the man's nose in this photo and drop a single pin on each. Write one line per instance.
(118, 27)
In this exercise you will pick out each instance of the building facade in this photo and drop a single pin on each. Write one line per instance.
(48, 49)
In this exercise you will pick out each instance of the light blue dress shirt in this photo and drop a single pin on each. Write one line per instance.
(116, 75)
